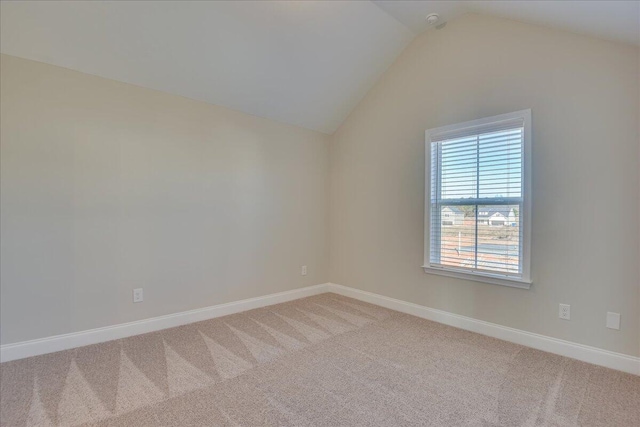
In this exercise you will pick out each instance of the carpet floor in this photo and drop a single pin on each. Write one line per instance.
(325, 360)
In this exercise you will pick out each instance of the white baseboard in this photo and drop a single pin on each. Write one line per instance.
(609, 359)
(37, 347)
(596, 356)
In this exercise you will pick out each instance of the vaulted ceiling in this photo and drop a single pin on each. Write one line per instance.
(610, 20)
(306, 63)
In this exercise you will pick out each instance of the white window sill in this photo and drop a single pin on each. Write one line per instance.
(480, 277)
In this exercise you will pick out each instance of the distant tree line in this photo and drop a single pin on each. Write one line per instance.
(469, 211)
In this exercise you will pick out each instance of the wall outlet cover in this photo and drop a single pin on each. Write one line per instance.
(613, 320)
(138, 295)
(565, 312)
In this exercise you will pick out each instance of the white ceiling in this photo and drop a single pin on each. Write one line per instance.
(611, 20)
(306, 63)
(302, 63)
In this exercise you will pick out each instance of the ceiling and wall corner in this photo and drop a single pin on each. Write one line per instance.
(305, 63)
(300, 63)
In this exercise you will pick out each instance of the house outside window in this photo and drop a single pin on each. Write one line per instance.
(478, 204)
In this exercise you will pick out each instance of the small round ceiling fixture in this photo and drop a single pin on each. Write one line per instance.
(432, 18)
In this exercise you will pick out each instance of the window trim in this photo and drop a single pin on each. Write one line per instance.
(523, 281)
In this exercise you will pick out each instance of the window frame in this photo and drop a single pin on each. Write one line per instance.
(521, 281)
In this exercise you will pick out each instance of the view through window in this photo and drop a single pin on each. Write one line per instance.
(477, 199)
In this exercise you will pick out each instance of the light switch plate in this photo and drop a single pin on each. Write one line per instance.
(613, 320)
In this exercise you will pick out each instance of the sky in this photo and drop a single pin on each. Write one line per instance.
(500, 165)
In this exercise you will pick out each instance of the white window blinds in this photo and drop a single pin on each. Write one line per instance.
(477, 195)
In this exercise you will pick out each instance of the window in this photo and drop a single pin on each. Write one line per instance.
(479, 173)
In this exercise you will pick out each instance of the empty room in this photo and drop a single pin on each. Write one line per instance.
(319, 213)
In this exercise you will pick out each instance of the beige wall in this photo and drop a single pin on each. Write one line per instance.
(583, 93)
(107, 187)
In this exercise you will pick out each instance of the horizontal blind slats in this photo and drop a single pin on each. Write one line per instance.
(477, 184)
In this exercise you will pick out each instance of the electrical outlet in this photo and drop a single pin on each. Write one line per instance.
(613, 320)
(137, 295)
(565, 311)
(304, 270)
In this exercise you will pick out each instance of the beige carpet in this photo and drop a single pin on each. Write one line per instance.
(326, 360)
